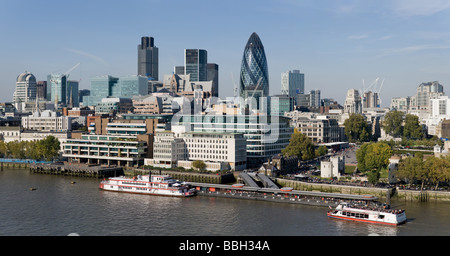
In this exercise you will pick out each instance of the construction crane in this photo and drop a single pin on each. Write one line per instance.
(56, 81)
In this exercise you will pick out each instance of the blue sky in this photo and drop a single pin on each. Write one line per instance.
(336, 44)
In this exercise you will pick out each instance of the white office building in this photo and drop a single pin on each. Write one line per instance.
(47, 121)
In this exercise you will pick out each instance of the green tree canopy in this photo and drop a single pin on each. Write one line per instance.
(412, 128)
(372, 157)
(357, 129)
(392, 123)
(199, 164)
(300, 145)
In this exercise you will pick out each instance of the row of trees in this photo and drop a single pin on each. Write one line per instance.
(45, 149)
(395, 123)
(398, 125)
(431, 171)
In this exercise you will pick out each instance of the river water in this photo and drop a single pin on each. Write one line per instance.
(59, 208)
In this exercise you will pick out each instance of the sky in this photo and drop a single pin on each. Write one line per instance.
(337, 44)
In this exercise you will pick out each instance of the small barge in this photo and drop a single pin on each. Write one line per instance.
(376, 215)
(162, 185)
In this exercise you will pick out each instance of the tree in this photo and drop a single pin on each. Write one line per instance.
(412, 128)
(392, 123)
(300, 145)
(360, 155)
(377, 156)
(357, 129)
(321, 151)
(411, 168)
(199, 165)
(372, 157)
(49, 147)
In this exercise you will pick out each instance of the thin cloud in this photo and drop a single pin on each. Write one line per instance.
(357, 37)
(419, 7)
(89, 55)
(414, 48)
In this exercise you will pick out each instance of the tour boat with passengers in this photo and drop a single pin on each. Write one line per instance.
(368, 214)
(163, 185)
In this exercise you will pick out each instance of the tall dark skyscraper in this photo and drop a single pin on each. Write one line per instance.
(148, 58)
(254, 76)
(195, 64)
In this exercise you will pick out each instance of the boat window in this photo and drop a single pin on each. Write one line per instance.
(380, 216)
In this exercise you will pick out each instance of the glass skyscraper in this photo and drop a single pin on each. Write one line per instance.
(292, 83)
(195, 64)
(254, 75)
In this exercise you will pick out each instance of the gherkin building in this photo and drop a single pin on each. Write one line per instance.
(254, 76)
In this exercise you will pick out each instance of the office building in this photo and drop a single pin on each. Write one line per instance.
(41, 90)
(121, 87)
(219, 151)
(47, 121)
(196, 64)
(320, 128)
(266, 135)
(280, 104)
(213, 75)
(25, 88)
(427, 91)
(353, 104)
(119, 150)
(254, 74)
(148, 58)
(292, 83)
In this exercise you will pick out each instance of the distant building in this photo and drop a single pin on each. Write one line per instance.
(280, 104)
(267, 135)
(353, 104)
(371, 100)
(427, 91)
(254, 74)
(25, 88)
(320, 128)
(148, 58)
(292, 83)
(213, 75)
(196, 64)
(121, 87)
(47, 121)
(114, 105)
(41, 90)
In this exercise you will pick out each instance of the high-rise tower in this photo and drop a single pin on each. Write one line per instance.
(195, 64)
(25, 88)
(148, 58)
(254, 75)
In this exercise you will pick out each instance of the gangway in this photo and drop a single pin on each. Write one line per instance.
(268, 183)
(248, 180)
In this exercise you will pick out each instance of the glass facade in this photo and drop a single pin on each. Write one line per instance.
(195, 63)
(122, 87)
(254, 75)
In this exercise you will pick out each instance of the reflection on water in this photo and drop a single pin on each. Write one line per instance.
(58, 207)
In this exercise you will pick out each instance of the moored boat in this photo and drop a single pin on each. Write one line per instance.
(163, 185)
(376, 215)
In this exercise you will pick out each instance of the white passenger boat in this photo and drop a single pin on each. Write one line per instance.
(377, 215)
(163, 185)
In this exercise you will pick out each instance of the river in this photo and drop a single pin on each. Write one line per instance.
(62, 206)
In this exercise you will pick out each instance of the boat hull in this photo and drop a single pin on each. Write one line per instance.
(330, 215)
(187, 194)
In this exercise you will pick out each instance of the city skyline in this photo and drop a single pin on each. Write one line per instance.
(336, 44)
